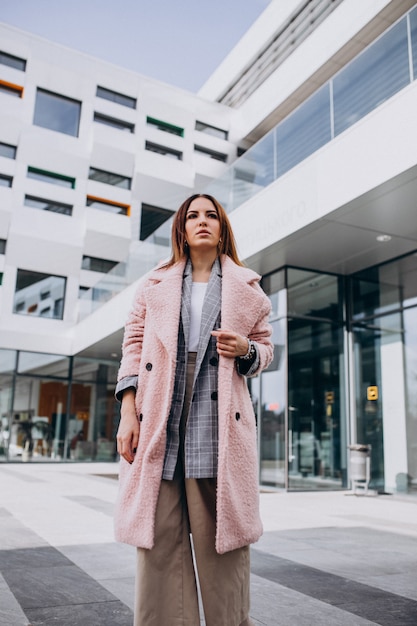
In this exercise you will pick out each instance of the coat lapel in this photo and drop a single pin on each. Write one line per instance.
(241, 303)
(164, 304)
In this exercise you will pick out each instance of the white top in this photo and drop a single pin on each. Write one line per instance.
(198, 291)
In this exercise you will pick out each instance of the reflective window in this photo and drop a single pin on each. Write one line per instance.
(5, 180)
(106, 120)
(304, 131)
(12, 61)
(109, 178)
(314, 294)
(254, 171)
(51, 177)
(164, 150)
(48, 205)
(413, 25)
(29, 287)
(97, 265)
(373, 77)
(3, 243)
(213, 154)
(116, 97)
(164, 126)
(43, 364)
(8, 151)
(211, 130)
(152, 217)
(57, 112)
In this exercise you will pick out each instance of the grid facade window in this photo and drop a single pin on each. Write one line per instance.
(7, 150)
(48, 205)
(169, 152)
(108, 205)
(114, 96)
(5, 180)
(3, 243)
(127, 127)
(12, 61)
(51, 177)
(211, 130)
(213, 154)
(11, 89)
(28, 294)
(165, 126)
(109, 178)
(94, 264)
(57, 112)
(152, 217)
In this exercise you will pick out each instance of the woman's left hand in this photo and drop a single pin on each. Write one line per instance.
(230, 344)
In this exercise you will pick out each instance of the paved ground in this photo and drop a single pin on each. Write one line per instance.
(325, 558)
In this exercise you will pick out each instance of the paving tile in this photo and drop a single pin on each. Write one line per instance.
(103, 561)
(359, 599)
(94, 614)
(31, 558)
(11, 613)
(102, 506)
(54, 586)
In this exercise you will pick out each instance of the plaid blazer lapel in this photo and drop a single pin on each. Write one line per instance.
(210, 313)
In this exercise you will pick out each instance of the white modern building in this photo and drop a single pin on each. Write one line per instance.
(306, 133)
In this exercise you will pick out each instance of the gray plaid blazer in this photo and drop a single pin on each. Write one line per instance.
(201, 437)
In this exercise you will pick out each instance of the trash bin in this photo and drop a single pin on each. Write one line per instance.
(360, 465)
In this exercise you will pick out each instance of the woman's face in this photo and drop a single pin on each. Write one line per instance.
(202, 225)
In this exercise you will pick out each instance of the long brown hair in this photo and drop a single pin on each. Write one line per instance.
(227, 244)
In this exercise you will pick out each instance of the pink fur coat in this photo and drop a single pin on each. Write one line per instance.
(151, 342)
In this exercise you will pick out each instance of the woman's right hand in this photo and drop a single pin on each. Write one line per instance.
(128, 432)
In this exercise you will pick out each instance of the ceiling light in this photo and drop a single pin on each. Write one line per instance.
(384, 238)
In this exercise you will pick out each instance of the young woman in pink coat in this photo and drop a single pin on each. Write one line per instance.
(187, 434)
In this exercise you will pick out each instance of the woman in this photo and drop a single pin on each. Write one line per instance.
(187, 434)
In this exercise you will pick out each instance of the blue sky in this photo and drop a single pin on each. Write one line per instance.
(180, 42)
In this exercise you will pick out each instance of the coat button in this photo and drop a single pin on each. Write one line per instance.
(140, 417)
(213, 361)
(237, 416)
(214, 395)
(149, 366)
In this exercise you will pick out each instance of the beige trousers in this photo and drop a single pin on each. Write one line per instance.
(166, 579)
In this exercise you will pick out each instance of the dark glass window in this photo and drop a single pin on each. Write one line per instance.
(169, 152)
(304, 131)
(375, 75)
(108, 205)
(51, 177)
(116, 97)
(48, 205)
(57, 112)
(164, 126)
(117, 180)
(151, 219)
(6, 181)
(413, 25)
(3, 243)
(93, 264)
(12, 61)
(8, 151)
(211, 130)
(28, 294)
(114, 123)
(218, 156)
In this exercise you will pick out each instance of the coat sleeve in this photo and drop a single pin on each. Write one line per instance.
(133, 337)
(261, 336)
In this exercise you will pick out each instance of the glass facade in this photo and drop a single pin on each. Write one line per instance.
(344, 372)
(57, 408)
(379, 72)
(57, 112)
